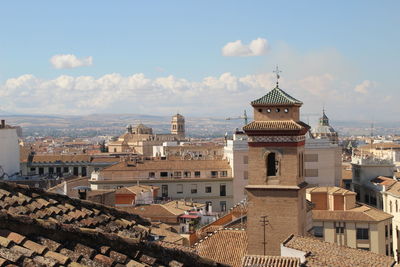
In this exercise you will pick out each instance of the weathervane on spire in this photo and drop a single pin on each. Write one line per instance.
(277, 71)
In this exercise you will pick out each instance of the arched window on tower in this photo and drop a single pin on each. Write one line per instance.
(271, 164)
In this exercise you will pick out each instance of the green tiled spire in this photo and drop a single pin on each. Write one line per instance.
(276, 97)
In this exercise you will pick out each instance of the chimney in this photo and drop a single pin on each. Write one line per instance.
(3, 124)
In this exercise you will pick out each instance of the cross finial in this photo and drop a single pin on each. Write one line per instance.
(277, 71)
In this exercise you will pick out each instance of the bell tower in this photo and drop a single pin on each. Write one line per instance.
(178, 125)
(276, 188)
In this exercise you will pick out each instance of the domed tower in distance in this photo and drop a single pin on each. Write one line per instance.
(324, 130)
(178, 125)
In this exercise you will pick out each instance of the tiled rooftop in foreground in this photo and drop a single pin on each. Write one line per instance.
(38, 228)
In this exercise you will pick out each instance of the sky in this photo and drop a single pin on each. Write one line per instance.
(199, 58)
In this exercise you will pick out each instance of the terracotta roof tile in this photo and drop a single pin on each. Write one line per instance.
(104, 260)
(42, 261)
(225, 246)
(10, 255)
(56, 240)
(118, 257)
(71, 254)
(319, 253)
(270, 261)
(5, 242)
(273, 125)
(85, 251)
(40, 249)
(50, 244)
(15, 237)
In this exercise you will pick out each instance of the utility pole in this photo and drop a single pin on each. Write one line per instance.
(265, 222)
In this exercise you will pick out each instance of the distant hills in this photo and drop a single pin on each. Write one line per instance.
(115, 124)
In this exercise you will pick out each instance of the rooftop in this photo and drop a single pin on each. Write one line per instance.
(361, 213)
(330, 190)
(270, 261)
(276, 97)
(225, 246)
(38, 228)
(319, 253)
(158, 164)
(274, 125)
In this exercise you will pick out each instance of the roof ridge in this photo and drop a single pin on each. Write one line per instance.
(27, 190)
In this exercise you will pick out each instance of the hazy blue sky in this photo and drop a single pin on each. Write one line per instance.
(203, 58)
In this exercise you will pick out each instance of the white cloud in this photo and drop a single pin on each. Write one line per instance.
(70, 61)
(317, 84)
(135, 93)
(256, 47)
(364, 87)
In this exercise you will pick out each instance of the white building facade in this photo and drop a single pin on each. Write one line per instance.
(322, 162)
(236, 152)
(9, 151)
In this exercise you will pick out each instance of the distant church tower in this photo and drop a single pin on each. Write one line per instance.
(324, 130)
(178, 125)
(276, 188)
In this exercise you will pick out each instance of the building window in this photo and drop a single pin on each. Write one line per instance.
(194, 189)
(33, 169)
(318, 231)
(310, 157)
(397, 207)
(386, 231)
(222, 204)
(271, 164)
(222, 190)
(390, 206)
(84, 173)
(178, 174)
(51, 170)
(224, 173)
(311, 172)
(362, 233)
(214, 174)
(164, 190)
(208, 206)
(41, 170)
(391, 230)
(372, 200)
(387, 250)
(245, 159)
(196, 174)
(179, 188)
(245, 175)
(357, 191)
(153, 174)
(208, 189)
(187, 174)
(357, 171)
(340, 230)
(66, 169)
(163, 174)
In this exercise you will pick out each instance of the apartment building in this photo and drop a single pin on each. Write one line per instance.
(204, 181)
(337, 218)
(322, 162)
(64, 164)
